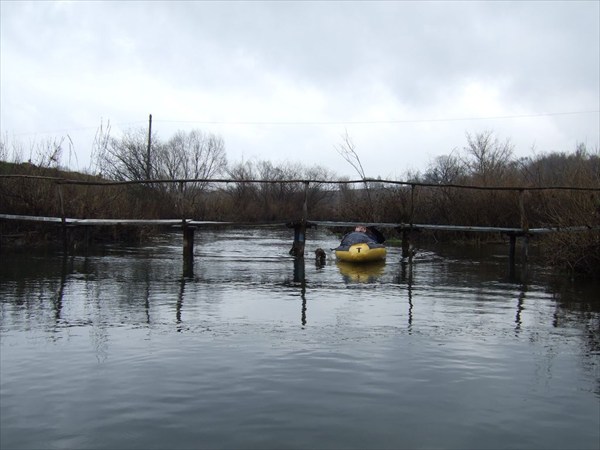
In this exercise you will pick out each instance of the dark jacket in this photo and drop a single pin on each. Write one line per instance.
(358, 237)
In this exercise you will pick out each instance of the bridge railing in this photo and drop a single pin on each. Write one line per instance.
(410, 189)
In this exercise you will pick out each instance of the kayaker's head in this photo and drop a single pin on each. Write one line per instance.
(361, 228)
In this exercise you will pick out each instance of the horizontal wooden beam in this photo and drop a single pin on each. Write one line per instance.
(309, 224)
(462, 228)
(31, 218)
(92, 222)
(417, 227)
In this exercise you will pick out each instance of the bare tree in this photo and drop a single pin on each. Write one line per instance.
(99, 146)
(446, 169)
(487, 157)
(318, 193)
(241, 190)
(125, 159)
(3, 150)
(241, 193)
(11, 151)
(194, 155)
(186, 156)
(347, 150)
(280, 198)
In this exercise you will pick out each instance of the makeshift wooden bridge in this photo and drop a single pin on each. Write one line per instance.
(300, 226)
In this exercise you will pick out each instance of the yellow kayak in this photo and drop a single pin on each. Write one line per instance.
(363, 252)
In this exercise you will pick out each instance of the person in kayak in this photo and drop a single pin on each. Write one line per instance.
(362, 235)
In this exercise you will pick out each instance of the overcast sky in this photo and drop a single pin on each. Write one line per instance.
(283, 81)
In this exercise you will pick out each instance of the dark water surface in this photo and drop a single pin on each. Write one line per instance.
(119, 350)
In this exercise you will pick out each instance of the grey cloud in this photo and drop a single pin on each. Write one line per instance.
(542, 56)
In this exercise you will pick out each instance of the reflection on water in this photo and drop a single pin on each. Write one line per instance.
(255, 349)
(361, 273)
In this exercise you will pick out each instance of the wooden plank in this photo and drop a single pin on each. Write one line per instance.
(31, 218)
(91, 222)
(211, 223)
(465, 228)
(335, 224)
(402, 226)
(132, 222)
(310, 223)
(562, 229)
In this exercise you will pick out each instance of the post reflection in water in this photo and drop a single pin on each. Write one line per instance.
(520, 308)
(147, 296)
(188, 266)
(58, 298)
(300, 277)
(519, 275)
(180, 297)
(365, 273)
(406, 277)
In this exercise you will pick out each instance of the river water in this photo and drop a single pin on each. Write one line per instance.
(117, 349)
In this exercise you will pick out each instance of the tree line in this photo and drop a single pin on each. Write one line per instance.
(485, 160)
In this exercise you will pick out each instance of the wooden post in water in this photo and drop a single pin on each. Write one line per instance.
(299, 270)
(65, 237)
(188, 249)
(525, 247)
(406, 251)
(298, 252)
(524, 233)
(297, 249)
(524, 225)
(406, 244)
(511, 251)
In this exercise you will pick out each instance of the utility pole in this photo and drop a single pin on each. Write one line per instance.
(148, 165)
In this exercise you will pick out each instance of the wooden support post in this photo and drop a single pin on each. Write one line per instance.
(297, 249)
(406, 253)
(65, 237)
(299, 239)
(188, 240)
(188, 250)
(511, 252)
(524, 225)
(299, 270)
